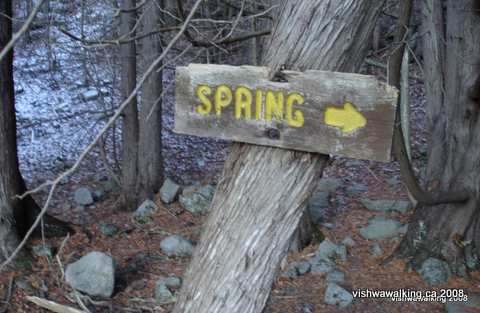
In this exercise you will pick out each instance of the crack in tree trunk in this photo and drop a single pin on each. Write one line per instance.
(264, 191)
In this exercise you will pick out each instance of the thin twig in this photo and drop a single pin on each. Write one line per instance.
(112, 120)
(22, 30)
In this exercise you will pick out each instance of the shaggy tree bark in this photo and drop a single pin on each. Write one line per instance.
(150, 161)
(130, 115)
(16, 215)
(264, 191)
(451, 64)
(10, 179)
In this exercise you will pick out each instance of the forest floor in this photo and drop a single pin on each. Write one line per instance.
(55, 124)
(140, 262)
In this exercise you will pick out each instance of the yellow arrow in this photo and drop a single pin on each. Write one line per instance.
(348, 118)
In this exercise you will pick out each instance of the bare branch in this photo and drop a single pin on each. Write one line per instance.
(22, 30)
(53, 306)
(394, 73)
(98, 137)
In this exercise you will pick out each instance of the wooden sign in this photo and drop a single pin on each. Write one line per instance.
(316, 111)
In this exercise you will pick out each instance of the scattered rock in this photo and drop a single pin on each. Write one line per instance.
(328, 225)
(322, 266)
(163, 294)
(306, 308)
(165, 287)
(144, 211)
(176, 245)
(110, 185)
(42, 250)
(376, 250)
(380, 228)
(93, 274)
(336, 277)
(403, 230)
(83, 196)
(401, 206)
(393, 181)
(471, 305)
(348, 242)
(90, 95)
(336, 295)
(356, 190)
(98, 194)
(108, 229)
(471, 259)
(435, 271)
(329, 184)
(318, 203)
(329, 251)
(297, 269)
(197, 199)
(172, 282)
(169, 191)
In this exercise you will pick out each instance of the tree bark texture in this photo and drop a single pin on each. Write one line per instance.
(150, 162)
(16, 215)
(10, 179)
(264, 191)
(451, 63)
(130, 129)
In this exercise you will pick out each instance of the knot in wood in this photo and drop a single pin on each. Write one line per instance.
(272, 133)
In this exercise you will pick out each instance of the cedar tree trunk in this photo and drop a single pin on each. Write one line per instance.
(451, 33)
(264, 191)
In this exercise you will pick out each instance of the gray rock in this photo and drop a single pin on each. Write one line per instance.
(176, 245)
(169, 191)
(163, 294)
(43, 250)
(108, 229)
(319, 265)
(98, 194)
(336, 295)
(380, 228)
(165, 287)
(471, 258)
(329, 184)
(393, 181)
(110, 185)
(356, 190)
(471, 305)
(386, 205)
(306, 308)
(197, 199)
(348, 242)
(93, 274)
(435, 271)
(329, 251)
(336, 277)
(172, 282)
(296, 269)
(376, 250)
(145, 210)
(403, 230)
(328, 225)
(90, 95)
(317, 205)
(83, 196)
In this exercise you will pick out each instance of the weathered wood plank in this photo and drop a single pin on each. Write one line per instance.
(239, 103)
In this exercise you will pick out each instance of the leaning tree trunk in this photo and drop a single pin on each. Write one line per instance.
(264, 191)
(150, 161)
(451, 63)
(130, 115)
